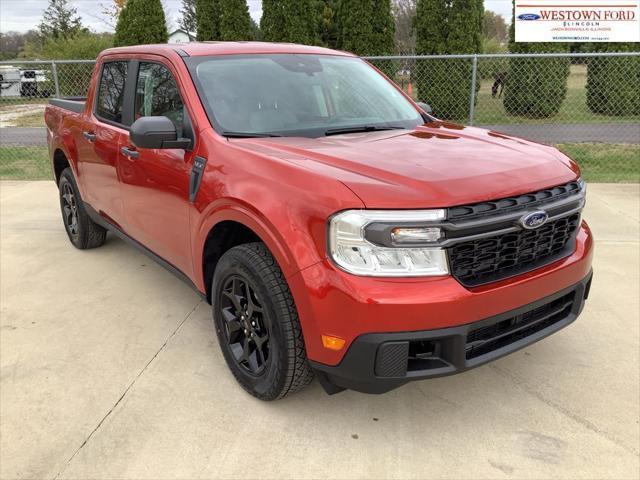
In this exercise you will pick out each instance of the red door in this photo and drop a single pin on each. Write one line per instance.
(99, 140)
(155, 183)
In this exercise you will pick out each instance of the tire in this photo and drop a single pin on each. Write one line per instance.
(83, 232)
(257, 323)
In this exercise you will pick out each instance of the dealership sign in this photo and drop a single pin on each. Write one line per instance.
(577, 20)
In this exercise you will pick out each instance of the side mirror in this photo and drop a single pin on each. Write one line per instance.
(426, 108)
(156, 132)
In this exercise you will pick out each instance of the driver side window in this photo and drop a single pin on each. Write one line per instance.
(157, 94)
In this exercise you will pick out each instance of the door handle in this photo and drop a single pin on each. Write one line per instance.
(89, 136)
(130, 153)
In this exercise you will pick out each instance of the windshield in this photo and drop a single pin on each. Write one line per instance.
(298, 95)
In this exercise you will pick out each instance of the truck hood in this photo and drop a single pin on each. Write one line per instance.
(436, 165)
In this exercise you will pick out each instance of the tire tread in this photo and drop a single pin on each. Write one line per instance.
(298, 372)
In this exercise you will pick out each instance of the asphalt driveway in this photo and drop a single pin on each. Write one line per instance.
(109, 368)
(549, 133)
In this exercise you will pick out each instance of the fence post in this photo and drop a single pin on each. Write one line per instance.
(54, 72)
(472, 95)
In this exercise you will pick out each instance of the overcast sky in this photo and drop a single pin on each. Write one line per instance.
(22, 15)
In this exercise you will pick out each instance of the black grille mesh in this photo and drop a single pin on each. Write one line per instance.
(510, 204)
(491, 337)
(489, 259)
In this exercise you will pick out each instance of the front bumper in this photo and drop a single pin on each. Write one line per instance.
(379, 362)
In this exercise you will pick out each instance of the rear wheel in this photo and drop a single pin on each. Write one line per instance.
(83, 232)
(257, 323)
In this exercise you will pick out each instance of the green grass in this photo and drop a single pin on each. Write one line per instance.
(490, 111)
(31, 120)
(608, 163)
(24, 163)
(22, 100)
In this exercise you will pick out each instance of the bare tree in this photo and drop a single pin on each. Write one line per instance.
(405, 13)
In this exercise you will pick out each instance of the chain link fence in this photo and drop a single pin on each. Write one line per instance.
(588, 105)
(26, 87)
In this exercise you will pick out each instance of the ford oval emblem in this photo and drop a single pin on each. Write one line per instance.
(529, 16)
(534, 220)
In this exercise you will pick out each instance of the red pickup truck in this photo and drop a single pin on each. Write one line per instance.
(336, 227)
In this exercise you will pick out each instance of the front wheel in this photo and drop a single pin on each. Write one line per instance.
(257, 323)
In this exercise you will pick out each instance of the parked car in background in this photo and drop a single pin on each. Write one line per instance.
(335, 226)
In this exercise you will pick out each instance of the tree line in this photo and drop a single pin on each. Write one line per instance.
(533, 87)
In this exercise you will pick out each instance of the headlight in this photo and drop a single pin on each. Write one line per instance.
(387, 243)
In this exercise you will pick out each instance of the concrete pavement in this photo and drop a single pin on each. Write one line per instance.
(109, 368)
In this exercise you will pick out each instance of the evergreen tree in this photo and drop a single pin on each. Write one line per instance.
(447, 27)
(535, 87)
(272, 21)
(141, 22)
(60, 20)
(326, 13)
(256, 34)
(383, 36)
(207, 20)
(300, 22)
(613, 83)
(355, 26)
(235, 21)
(289, 21)
(188, 21)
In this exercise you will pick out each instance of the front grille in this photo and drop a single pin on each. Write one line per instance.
(489, 259)
(492, 337)
(514, 204)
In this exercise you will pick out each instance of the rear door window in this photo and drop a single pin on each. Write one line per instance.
(111, 91)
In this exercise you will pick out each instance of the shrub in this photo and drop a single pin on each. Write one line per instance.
(141, 22)
(535, 87)
(235, 21)
(383, 33)
(207, 20)
(613, 83)
(355, 26)
(297, 26)
(444, 27)
(272, 20)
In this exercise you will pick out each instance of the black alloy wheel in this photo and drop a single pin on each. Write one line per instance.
(246, 324)
(69, 209)
(257, 323)
(82, 231)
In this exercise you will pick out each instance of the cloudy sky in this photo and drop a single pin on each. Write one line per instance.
(22, 15)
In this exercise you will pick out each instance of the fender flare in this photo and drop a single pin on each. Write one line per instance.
(235, 210)
(59, 143)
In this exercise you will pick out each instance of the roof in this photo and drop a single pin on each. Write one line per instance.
(181, 30)
(226, 48)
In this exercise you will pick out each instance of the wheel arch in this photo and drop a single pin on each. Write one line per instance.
(232, 225)
(60, 162)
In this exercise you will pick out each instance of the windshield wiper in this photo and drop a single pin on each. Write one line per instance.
(362, 128)
(248, 135)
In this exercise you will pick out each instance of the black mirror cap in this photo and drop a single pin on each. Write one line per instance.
(426, 108)
(156, 132)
